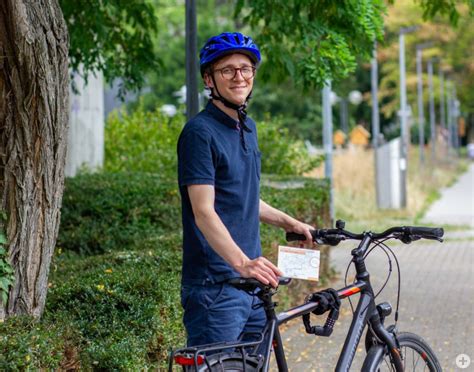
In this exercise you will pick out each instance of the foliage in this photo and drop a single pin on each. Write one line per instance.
(7, 275)
(451, 45)
(281, 154)
(26, 344)
(142, 141)
(300, 114)
(146, 142)
(433, 7)
(313, 41)
(113, 36)
(120, 310)
(125, 304)
(103, 212)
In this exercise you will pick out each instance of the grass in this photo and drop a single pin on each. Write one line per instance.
(354, 188)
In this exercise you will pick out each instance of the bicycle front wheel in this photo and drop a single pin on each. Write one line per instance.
(415, 352)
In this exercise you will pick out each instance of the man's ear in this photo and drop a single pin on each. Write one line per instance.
(208, 81)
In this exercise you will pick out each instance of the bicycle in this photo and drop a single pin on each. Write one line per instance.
(387, 349)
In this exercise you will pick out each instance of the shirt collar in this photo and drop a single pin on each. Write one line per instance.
(220, 115)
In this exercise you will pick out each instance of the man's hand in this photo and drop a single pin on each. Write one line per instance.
(260, 269)
(302, 228)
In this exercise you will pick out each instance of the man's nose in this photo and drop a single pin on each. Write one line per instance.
(238, 74)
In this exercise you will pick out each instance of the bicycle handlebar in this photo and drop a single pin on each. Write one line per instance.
(404, 233)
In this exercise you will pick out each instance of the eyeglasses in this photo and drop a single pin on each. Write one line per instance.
(229, 73)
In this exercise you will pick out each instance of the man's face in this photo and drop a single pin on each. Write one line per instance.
(237, 88)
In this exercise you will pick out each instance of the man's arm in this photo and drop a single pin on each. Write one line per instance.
(217, 235)
(275, 217)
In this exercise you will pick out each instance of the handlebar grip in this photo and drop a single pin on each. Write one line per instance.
(426, 232)
(293, 237)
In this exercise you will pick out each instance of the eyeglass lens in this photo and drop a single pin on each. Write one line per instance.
(229, 73)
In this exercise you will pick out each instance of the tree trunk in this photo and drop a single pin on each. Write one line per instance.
(34, 107)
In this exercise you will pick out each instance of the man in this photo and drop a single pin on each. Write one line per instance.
(219, 176)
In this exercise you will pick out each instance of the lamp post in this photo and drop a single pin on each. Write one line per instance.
(192, 100)
(432, 110)
(327, 143)
(403, 114)
(421, 115)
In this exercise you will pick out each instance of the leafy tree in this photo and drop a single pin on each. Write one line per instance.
(109, 35)
(313, 41)
(453, 45)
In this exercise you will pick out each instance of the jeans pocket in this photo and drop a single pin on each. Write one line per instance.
(212, 294)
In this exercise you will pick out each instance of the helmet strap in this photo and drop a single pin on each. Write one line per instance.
(241, 109)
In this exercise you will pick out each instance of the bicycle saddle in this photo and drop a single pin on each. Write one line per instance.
(250, 284)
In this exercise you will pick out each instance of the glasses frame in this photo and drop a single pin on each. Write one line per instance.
(239, 69)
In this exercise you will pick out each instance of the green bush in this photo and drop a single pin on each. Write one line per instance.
(103, 212)
(142, 141)
(281, 153)
(119, 308)
(26, 344)
(125, 303)
(146, 142)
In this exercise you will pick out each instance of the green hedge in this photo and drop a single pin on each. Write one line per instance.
(113, 302)
(115, 211)
(146, 142)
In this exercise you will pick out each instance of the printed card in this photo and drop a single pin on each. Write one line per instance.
(299, 263)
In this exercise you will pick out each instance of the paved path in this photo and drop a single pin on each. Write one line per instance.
(456, 205)
(437, 297)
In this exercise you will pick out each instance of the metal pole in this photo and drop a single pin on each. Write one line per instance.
(375, 120)
(403, 120)
(327, 142)
(456, 113)
(375, 101)
(442, 112)
(432, 110)
(450, 115)
(192, 99)
(421, 115)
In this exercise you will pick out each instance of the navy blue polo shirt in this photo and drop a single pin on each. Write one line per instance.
(213, 150)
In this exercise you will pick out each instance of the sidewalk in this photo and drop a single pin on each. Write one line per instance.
(456, 205)
(437, 290)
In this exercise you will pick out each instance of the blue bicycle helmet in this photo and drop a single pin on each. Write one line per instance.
(227, 43)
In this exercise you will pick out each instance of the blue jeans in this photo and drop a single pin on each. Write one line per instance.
(219, 312)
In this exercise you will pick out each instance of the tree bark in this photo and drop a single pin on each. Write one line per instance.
(34, 108)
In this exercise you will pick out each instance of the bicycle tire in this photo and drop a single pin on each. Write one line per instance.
(416, 353)
(227, 362)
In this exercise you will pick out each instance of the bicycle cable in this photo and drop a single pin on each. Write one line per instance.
(381, 246)
(399, 281)
(376, 243)
(384, 246)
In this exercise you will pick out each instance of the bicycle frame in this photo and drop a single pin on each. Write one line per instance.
(365, 313)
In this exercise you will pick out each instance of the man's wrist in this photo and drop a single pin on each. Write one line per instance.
(239, 263)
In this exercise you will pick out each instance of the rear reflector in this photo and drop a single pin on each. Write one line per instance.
(188, 359)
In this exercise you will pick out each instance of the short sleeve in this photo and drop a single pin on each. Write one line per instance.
(195, 164)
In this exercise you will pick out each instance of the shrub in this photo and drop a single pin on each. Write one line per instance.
(103, 212)
(119, 308)
(26, 344)
(125, 303)
(281, 153)
(142, 141)
(146, 142)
